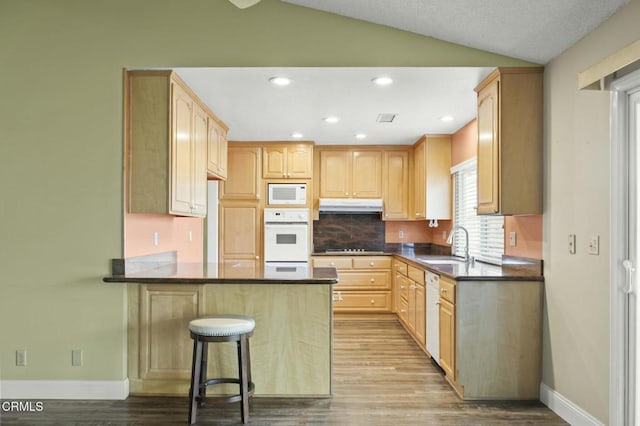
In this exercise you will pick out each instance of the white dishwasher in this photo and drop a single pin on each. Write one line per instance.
(433, 315)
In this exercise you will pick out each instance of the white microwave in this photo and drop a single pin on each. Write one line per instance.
(287, 193)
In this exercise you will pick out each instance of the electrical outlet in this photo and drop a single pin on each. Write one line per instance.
(155, 239)
(76, 358)
(572, 243)
(401, 234)
(512, 238)
(444, 235)
(190, 236)
(594, 244)
(21, 357)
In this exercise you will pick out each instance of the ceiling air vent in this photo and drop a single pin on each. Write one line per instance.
(386, 117)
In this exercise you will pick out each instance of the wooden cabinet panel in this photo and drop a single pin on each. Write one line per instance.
(510, 142)
(432, 177)
(299, 161)
(416, 274)
(366, 174)
(448, 290)
(335, 174)
(372, 262)
(240, 226)
(338, 262)
(274, 162)
(395, 185)
(243, 182)
(421, 312)
(291, 161)
(400, 266)
(361, 301)
(351, 280)
(345, 173)
(217, 150)
(166, 145)
(447, 329)
(164, 342)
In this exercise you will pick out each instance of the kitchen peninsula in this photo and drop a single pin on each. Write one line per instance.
(291, 347)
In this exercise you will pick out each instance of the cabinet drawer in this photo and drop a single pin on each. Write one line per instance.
(399, 266)
(360, 301)
(368, 262)
(448, 290)
(339, 262)
(416, 274)
(373, 280)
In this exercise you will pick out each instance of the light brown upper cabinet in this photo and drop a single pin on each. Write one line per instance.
(395, 184)
(432, 177)
(217, 152)
(167, 134)
(510, 142)
(346, 173)
(290, 161)
(244, 182)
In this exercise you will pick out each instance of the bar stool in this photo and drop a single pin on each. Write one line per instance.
(220, 328)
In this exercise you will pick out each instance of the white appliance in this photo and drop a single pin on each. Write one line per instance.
(350, 205)
(287, 270)
(294, 194)
(286, 235)
(433, 315)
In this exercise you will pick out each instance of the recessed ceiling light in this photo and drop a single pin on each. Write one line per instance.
(297, 135)
(383, 81)
(331, 119)
(280, 81)
(446, 118)
(360, 136)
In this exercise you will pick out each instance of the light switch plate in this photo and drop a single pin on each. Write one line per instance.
(594, 244)
(76, 358)
(512, 238)
(572, 243)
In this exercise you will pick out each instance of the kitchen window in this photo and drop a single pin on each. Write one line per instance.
(486, 233)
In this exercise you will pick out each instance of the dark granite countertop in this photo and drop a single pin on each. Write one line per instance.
(435, 260)
(236, 272)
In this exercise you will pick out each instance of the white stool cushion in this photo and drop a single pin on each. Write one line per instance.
(222, 325)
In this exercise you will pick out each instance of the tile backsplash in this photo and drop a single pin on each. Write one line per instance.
(348, 231)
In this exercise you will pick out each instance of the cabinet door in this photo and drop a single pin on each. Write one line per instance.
(395, 181)
(412, 307)
(181, 151)
(240, 234)
(367, 174)
(274, 162)
(199, 152)
(163, 330)
(217, 150)
(488, 150)
(438, 177)
(335, 174)
(300, 161)
(419, 181)
(421, 319)
(447, 337)
(244, 182)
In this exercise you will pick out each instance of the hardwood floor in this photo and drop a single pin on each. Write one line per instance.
(380, 378)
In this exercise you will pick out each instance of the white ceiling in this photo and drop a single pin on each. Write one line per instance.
(533, 30)
(256, 110)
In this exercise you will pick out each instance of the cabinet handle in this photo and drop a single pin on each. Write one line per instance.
(443, 290)
(373, 302)
(332, 264)
(371, 263)
(417, 214)
(355, 193)
(402, 310)
(412, 287)
(257, 257)
(386, 215)
(346, 193)
(437, 303)
(373, 280)
(401, 287)
(288, 174)
(284, 175)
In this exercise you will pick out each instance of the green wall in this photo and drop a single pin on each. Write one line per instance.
(61, 128)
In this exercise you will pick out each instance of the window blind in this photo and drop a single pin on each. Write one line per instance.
(486, 233)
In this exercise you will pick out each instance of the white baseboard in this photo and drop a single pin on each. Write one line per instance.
(566, 409)
(64, 389)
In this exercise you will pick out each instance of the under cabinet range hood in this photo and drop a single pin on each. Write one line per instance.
(350, 205)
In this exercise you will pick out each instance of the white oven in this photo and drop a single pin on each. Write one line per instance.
(286, 235)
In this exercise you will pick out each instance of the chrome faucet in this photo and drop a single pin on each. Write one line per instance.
(467, 259)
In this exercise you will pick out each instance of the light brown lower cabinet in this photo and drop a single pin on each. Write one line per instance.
(410, 296)
(286, 361)
(365, 283)
(490, 338)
